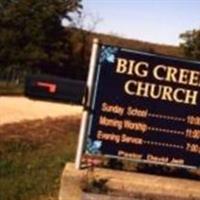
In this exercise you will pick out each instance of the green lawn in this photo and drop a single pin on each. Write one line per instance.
(32, 157)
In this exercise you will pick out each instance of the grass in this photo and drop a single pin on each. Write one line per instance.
(11, 89)
(33, 155)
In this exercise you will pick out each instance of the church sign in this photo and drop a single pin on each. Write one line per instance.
(143, 107)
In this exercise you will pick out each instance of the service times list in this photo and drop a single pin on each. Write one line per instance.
(128, 132)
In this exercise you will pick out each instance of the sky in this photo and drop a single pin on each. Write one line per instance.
(157, 21)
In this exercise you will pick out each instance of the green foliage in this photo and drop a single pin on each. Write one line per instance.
(31, 33)
(32, 39)
(191, 44)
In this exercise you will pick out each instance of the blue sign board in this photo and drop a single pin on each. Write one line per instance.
(145, 107)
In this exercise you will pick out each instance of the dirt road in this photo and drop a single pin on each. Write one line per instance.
(15, 109)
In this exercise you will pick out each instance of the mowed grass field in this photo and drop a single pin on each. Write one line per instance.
(33, 155)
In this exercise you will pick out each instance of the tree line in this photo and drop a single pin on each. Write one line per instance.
(33, 39)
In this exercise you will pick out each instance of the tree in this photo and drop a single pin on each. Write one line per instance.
(82, 27)
(191, 44)
(31, 33)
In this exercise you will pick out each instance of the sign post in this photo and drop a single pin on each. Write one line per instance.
(88, 99)
(143, 107)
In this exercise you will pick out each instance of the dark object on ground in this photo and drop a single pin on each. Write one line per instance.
(52, 88)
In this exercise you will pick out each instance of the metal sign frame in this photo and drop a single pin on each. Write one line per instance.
(87, 103)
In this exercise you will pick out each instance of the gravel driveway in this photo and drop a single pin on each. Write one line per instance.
(15, 109)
